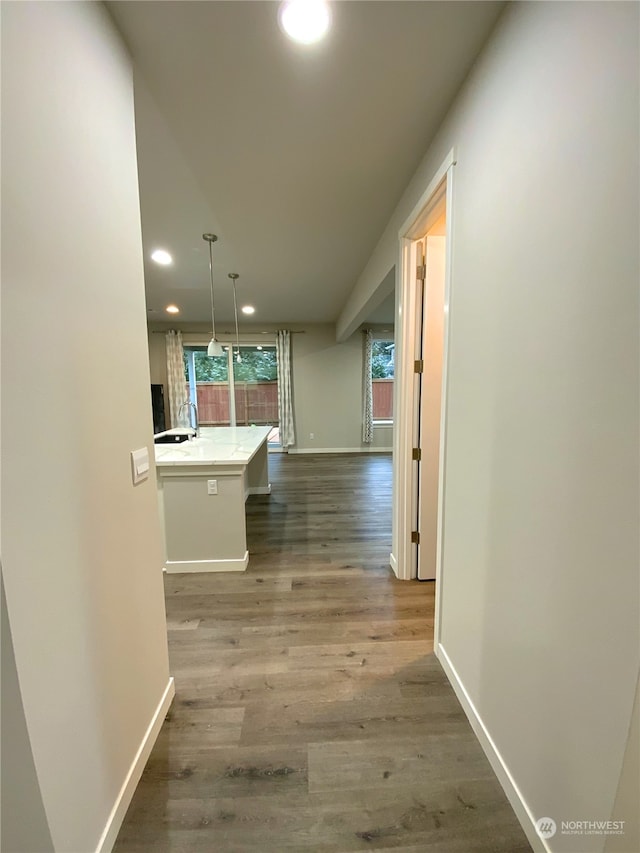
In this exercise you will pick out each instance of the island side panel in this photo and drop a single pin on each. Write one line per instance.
(257, 476)
(204, 532)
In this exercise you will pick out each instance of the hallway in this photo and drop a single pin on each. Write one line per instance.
(310, 712)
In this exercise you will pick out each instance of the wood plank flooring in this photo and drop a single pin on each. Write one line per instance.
(310, 712)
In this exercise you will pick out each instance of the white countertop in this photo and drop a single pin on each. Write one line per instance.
(214, 446)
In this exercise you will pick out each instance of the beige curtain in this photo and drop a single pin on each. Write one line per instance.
(285, 399)
(367, 389)
(175, 375)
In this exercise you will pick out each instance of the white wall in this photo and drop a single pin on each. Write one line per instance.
(327, 390)
(24, 826)
(327, 383)
(628, 795)
(81, 546)
(540, 578)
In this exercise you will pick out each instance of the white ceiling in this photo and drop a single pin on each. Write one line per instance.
(294, 156)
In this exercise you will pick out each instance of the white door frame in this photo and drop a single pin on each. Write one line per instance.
(407, 343)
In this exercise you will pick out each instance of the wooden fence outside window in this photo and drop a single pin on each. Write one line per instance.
(257, 402)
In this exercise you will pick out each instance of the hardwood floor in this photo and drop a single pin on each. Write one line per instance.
(310, 712)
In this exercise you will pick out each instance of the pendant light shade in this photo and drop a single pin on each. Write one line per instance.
(214, 349)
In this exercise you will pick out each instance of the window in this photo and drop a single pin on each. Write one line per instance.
(207, 385)
(228, 392)
(255, 379)
(382, 370)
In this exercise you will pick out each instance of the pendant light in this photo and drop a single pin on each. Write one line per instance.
(214, 349)
(234, 277)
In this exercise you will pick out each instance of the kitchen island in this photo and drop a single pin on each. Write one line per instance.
(203, 484)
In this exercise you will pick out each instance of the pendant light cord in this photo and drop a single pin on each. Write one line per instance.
(213, 313)
(233, 277)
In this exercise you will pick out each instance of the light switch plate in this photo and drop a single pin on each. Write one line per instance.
(139, 465)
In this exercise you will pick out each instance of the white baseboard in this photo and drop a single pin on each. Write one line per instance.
(514, 795)
(257, 490)
(260, 490)
(340, 450)
(178, 566)
(394, 564)
(123, 800)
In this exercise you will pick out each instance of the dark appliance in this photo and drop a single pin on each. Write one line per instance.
(173, 438)
(157, 405)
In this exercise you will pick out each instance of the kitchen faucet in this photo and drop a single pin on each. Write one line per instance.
(189, 404)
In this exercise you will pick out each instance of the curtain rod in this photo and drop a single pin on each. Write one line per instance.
(227, 332)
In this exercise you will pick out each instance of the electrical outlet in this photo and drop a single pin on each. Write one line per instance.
(312, 435)
(212, 487)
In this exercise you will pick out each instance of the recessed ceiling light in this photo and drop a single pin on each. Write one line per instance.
(248, 309)
(162, 257)
(258, 347)
(305, 21)
(172, 309)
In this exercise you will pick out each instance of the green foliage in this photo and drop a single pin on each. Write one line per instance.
(207, 369)
(255, 366)
(382, 360)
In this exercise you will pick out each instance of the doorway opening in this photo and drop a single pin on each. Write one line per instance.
(422, 336)
(431, 252)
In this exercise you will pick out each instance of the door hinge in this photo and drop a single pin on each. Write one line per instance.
(415, 537)
(416, 454)
(421, 272)
(418, 365)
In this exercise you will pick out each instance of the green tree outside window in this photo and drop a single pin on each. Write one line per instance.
(255, 366)
(382, 360)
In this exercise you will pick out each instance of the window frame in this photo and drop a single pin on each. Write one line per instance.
(379, 336)
(192, 347)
